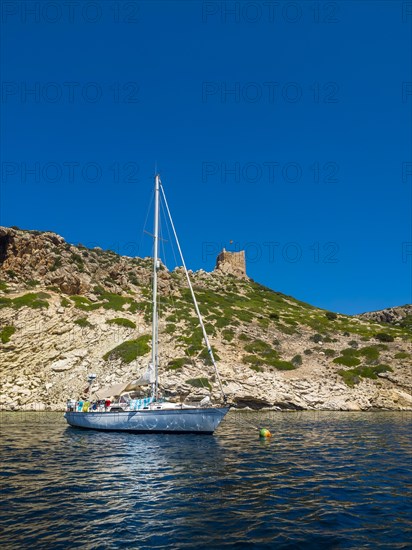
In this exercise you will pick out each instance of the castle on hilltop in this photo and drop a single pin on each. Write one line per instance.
(233, 263)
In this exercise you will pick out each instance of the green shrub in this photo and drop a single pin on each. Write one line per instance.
(170, 328)
(57, 262)
(402, 355)
(329, 352)
(256, 368)
(252, 360)
(228, 334)
(308, 352)
(114, 301)
(243, 315)
(351, 355)
(32, 300)
(347, 360)
(331, 315)
(274, 316)
(83, 322)
(133, 279)
(178, 363)
(349, 352)
(194, 343)
(78, 260)
(286, 329)
(210, 329)
(371, 372)
(406, 322)
(32, 283)
(297, 360)
(81, 302)
(121, 322)
(221, 321)
(352, 376)
(98, 290)
(371, 353)
(64, 302)
(6, 333)
(258, 346)
(199, 383)
(3, 286)
(282, 365)
(142, 307)
(316, 338)
(382, 347)
(172, 318)
(353, 344)
(384, 337)
(130, 350)
(109, 300)
(271, 361)
(206, 357)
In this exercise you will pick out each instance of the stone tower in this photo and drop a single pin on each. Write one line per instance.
(233, 263)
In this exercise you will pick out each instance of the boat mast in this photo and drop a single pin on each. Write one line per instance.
(155, 354)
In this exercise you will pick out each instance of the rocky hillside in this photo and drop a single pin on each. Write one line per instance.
(399, 316)
(67, 311)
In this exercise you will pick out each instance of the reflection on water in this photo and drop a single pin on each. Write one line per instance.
(324, 480)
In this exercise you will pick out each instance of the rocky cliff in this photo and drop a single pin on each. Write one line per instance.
(400, 315)
(67, 311)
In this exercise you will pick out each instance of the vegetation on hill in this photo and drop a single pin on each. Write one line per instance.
(121, 322)
(251, 327)
(32, 300)
(6, 333)
(131, 349)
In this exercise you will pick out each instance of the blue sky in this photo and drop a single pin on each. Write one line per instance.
(283, 127)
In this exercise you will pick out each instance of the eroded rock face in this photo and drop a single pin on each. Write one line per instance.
(251, 402)
(53, 349)
(48, 258)
(69, 282)
(48, 358)
(5, 240)
(391, 315)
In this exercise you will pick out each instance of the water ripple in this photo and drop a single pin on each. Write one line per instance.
(325, 480)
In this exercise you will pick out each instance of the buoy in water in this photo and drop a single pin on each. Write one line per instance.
(264, 433)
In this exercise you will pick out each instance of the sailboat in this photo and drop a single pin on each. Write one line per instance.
(151, 414)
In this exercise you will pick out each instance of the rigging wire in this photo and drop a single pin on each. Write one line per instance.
(170, 240)
(206, 339)
(168, 233)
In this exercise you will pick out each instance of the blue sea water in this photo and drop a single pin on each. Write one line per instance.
(324, 480)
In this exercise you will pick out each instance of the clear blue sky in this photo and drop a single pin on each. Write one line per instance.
(283, 127)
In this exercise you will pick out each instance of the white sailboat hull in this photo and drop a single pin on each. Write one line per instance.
(196, 420)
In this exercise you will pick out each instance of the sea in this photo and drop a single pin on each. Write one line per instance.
(324, 480)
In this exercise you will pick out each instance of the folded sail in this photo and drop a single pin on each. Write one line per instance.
(147, 378)
(110, 391)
